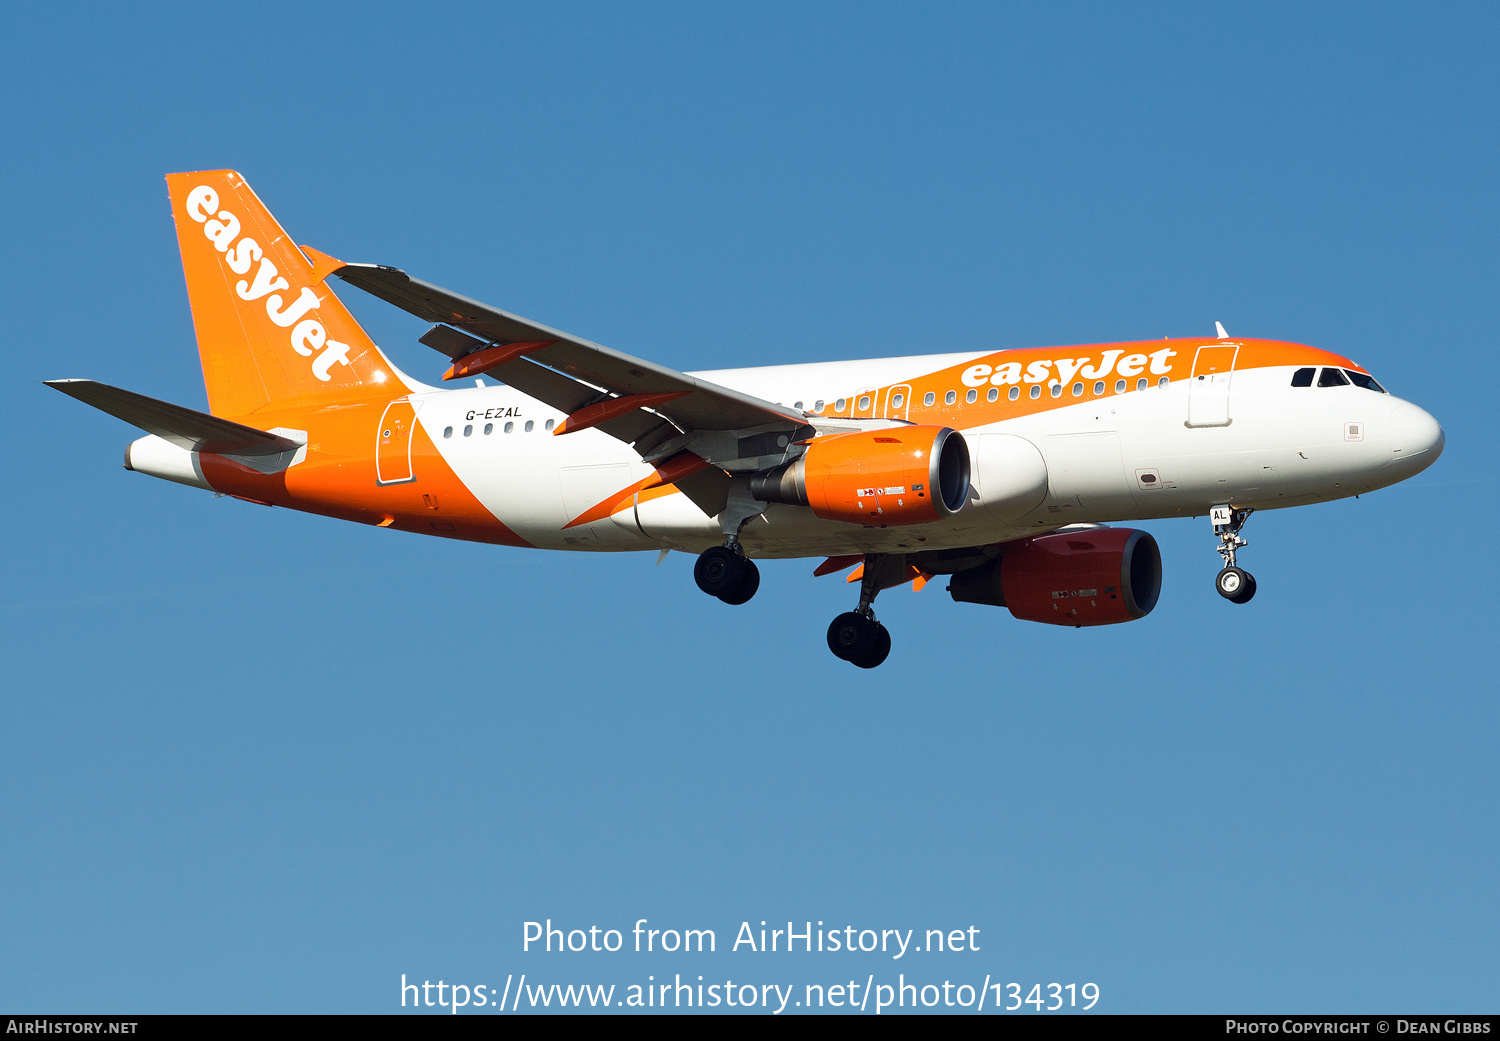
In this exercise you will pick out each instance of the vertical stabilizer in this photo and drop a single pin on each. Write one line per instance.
(270, 332)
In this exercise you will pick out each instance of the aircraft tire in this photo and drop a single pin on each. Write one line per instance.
(719, 570)
(749, 583)
(880, 652)
(1232, 583)
(1248, 591)
(852, 636)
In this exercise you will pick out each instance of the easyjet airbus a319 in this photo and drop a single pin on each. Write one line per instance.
(999, 469)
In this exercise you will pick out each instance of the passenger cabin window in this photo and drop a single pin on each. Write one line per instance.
(1303, 377)
(929, 398)
(971, 397)
(950, 397)
(1015, 392)
(1359, 379)
(1332, 378)
(994, 394)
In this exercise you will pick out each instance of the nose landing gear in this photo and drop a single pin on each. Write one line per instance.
(1234, 583)
(855, 636)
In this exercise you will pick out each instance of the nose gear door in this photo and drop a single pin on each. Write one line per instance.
(1208, 390)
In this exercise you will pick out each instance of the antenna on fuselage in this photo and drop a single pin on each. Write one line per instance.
(1220, 327)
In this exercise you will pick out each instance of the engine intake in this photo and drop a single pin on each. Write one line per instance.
(893, 476)
(1094, 576)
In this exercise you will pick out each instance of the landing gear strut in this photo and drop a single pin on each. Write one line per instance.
(1234, 583)
(855, 636)
(724, 571)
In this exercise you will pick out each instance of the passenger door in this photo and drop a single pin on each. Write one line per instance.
(1208, 391)
(393, 443)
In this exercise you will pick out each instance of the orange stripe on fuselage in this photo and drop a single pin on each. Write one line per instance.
(338, 479)
(1176, 365)
(1148, 359)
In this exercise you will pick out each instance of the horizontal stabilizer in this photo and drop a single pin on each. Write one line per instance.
(183, 427)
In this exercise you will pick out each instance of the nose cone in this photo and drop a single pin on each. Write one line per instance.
(1416, 439)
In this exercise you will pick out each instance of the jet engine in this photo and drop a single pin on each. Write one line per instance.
(1089, 576)
(894, 476)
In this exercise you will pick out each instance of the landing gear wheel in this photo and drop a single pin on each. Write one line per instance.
(853, 637)
(749, 583)
(879, 652)
(1235, 584)
(719, 570)
(1244, 597)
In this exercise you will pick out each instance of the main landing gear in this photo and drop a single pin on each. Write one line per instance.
(855, 636)
(1234, 583)
(724, 571)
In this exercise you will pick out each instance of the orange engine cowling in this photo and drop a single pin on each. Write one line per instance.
(898, 475)
(1093, 576)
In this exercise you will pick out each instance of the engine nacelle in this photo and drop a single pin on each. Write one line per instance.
(897, 475)
(1092, 576)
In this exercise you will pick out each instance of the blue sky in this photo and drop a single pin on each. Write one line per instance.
(253, 760)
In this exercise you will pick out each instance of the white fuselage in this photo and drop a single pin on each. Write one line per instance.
(1119, 457)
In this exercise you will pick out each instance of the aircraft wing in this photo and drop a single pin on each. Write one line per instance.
(184, 427)
(596, 385)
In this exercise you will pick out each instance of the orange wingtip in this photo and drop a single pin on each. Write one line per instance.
(323, 264)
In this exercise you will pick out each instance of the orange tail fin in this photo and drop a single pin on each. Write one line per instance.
(269, 331)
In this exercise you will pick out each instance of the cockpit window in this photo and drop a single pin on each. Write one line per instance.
(1303, 377)
(1332, 378)
(1359, 379)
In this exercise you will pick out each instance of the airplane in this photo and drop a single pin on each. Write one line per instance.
(1001, 470)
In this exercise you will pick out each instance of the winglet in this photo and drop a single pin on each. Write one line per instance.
(1220, 327)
